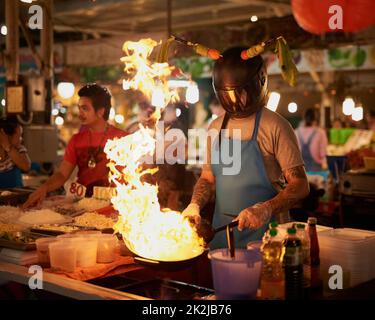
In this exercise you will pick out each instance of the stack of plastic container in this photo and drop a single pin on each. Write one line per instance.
(352, 249)
(81, 249)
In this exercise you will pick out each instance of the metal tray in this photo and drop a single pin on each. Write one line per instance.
(29, 246)
(20, 245)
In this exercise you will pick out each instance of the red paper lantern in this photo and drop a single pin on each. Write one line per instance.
(314, 16)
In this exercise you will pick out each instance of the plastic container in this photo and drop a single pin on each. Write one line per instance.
(88, 233)
(86, 251)
(63, 256)
(67, 236)
(254, 245)
(235, 278)
(42, 245)
(107, 245)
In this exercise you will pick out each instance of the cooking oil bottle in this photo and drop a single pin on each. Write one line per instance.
(272, 278)
(293, 266)
(305, 242)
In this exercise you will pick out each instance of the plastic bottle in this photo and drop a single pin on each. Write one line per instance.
(272, 278)
(314, 253)
(293, 266)
(305, 241)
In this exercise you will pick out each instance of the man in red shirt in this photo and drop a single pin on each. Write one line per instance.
(85, 149)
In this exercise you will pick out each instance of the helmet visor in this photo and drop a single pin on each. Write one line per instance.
(233, 100)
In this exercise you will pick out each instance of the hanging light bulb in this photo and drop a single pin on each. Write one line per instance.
(158, 98)
(119, 118)
(292, 107)
(357, 114)
(4, 30)
(192, 93)
(65, 90)
(59, 121)
(273, 101)
(3, 102)
(178, 112)
(348, 106)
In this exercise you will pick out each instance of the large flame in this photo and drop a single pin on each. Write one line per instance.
(146, 76)
(147, 230)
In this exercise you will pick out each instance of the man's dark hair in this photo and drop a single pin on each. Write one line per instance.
(310, 116)
(100, 97)
(9, 125)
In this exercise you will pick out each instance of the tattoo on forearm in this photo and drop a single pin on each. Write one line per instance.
(295, 173)
(293, 193)
(202, 192)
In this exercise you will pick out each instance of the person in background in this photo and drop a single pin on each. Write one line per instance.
(337, 124)
(13, 155)
(313, 142)
(85, 149)
(144, 115)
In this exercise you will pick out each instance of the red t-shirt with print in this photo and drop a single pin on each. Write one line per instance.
(78, 152)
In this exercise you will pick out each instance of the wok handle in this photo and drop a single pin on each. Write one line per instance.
(230, 225)
(230, 239)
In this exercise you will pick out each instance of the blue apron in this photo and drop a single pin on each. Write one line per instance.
(11, 178)
(310, 164)
(237, 192)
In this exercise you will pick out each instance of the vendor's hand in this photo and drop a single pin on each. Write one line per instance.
(254, 217)
(36, 198)
(192, 212)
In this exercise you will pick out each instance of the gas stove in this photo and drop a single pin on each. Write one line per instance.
(156, 288)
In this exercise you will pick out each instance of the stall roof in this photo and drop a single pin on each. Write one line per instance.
(116, 17)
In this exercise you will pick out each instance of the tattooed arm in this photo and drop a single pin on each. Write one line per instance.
(203, 189)
(296, 190)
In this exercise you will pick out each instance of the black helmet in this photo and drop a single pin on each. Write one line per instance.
(240, 85)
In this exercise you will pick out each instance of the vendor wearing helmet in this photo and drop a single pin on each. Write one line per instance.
(271, 178)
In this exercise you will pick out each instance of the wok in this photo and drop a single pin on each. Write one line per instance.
(204, 230)
(169, 265)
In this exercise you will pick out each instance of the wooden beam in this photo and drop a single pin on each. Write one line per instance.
(12, 41)
(47, 39)
(37, 57)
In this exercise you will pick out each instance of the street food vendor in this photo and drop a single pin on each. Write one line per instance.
(271, 178)
(85, 149)
(13, 155)
(313, 142)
